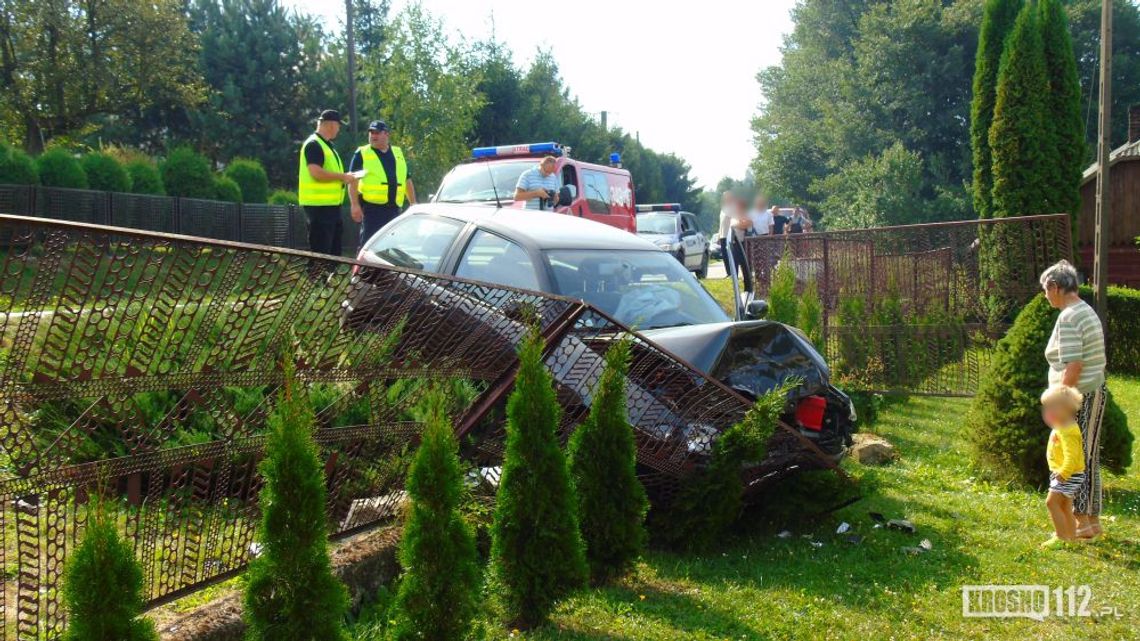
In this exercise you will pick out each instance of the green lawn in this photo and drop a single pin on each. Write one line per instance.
(765, 587)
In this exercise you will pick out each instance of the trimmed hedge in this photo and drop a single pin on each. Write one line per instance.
(250, 177)
(17, 167)
(187, 174)
(104, 173)
(1123, 339)
(226, 189)
(1004, 422)
(58, 168)
(283, 197)
(144, 178)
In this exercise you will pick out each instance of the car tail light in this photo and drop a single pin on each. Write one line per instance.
(809, 412)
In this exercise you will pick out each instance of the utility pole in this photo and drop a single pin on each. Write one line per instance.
(1104, 148)
(604, 118)
(351, 67)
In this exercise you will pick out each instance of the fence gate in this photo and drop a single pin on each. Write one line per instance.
(915, 308)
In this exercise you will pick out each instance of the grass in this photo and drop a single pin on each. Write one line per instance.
(764, 587)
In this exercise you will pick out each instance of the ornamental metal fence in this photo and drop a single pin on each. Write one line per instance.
(141, 368)
(915, 308)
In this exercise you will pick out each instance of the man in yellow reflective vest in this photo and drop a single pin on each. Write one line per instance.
(385, 186)
(320, 185)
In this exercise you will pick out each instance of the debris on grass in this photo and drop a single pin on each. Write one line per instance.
(902, 525)
(786, 534)
(843, 528)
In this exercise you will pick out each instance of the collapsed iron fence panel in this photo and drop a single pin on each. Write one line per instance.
(915, 308)
(143, 367)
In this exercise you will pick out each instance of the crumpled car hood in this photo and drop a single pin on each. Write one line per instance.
(753, 355)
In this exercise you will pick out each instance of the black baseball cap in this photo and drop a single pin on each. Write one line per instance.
(378, 125)
(331, 114)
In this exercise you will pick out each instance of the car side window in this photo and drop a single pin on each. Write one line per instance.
(497, 260)
(597, 191)
(686, 224)
(416, 242)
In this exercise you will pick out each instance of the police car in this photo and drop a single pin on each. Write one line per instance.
(676, 232)
(600, 193)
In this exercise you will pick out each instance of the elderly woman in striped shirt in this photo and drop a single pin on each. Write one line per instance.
(1076, 358)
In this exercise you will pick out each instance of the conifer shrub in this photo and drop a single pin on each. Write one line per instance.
(58, 168)
(852, 345)
(103, 586)
(17, 167)
(537, 553)
(226, 190)
(997, 20)
(104, 173)
(438, 592)
(712, 498)
(1007, 434)
(782, 303)
(1123, 339)
(809, 317)
(292, 594)
(144, 178)
(283, 197)
(186, 174)
(603, 463)
(251, 179)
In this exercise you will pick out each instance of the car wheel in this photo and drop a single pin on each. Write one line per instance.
(703, 272)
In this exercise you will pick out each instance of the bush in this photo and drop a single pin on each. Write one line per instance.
(438, 593)
(187, 174)
(712, 498)
(17, 167)
(58, 168)
(1123, 339)
(809, 317)
(225, 189)
(1004, 421)
(250, 178)
(782, 303)
(852, 346)
(104, 173)
(292, 593)
(537, 553)
(103, 587)
(283, 197)
(603, 462)
(144, 178)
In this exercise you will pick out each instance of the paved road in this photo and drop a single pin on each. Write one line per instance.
(717, 270)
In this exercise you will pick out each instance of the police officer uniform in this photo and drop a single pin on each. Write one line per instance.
(383, 189)
(321, 199)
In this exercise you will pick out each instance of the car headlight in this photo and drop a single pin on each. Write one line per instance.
(667, 246)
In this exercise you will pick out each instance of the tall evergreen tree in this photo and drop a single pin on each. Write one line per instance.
(292, 593)
(1017, 136)
(537, 552)
(103, 587)
(438, 592)
(1065, 133)
(996, 23)
(603, 462)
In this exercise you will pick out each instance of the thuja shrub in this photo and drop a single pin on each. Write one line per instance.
(292, 594)
(439, 590)
(225, 189)
(782, 302)
(809, 317)
(603, 463)
(250, 177)
(105, 173)
(103, 586)
(1007, 434)
(17, 167)
(537, 553)
(144, 178)
(712, 498)
(58, 168)
(186, 174)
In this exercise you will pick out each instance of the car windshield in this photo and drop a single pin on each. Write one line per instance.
(644, 289)
(472, 182)
(656, 224)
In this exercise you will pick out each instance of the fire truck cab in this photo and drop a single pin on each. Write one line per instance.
(598, 192)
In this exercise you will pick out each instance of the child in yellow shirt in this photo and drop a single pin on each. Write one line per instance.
(1066, 457)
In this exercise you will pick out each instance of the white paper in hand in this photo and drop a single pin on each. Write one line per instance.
(360, 174)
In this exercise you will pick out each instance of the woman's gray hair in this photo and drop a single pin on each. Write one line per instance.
(1063, 275)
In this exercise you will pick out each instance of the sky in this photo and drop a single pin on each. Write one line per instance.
(682, 75)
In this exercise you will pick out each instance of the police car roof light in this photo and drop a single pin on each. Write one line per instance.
(644, 209)
(533, 149)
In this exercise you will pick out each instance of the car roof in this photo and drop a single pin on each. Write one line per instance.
(538, 229)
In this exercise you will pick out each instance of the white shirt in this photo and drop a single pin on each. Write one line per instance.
(761, 221)
(726, 224)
